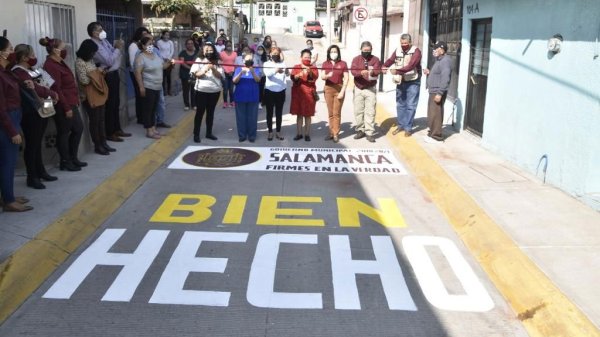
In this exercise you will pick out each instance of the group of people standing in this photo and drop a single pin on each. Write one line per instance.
(26, 91)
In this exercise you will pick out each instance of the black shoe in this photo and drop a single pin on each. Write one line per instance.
(35, 183)
(108, 148)
(359, 135)
(298, 137)
(242, 139)
(68, 166)
(79, 163)
(101, 150)
(307, 138)
(196, 139)
(45, 176)
(251, 140)
(211, 137)
(371, 139)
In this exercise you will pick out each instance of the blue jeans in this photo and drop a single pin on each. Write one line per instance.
(160, 108)
(407, 97)
(8, 158)
(246, 117)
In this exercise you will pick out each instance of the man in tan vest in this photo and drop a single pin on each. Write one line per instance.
(405, 66)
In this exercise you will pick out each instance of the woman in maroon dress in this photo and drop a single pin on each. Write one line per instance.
(304, 91)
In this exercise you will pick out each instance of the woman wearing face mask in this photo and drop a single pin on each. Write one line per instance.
(228, 57)
(188, 55)
(149, 75)
(273, 46)
(220, 45)
(10, 137)
(335, 75)
(132, 52)
(33, 125)
(166, 50)
(247, 79)
(208, 88)
(315, 54)
(304, 76)
(90, 75)
(69, 126)
(260, 57)
(275, 85)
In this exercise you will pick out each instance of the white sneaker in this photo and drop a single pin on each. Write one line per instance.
(260, 106)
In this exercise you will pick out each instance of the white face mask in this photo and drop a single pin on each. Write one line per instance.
(102, 35)
(150, 48)
(260, 52)
(333, 56)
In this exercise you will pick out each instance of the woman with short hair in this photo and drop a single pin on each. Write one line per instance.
(87, 73)
(335, 75)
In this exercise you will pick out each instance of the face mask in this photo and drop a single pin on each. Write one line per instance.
(276, 58)
(102, 35)
(228, 48)
(32, 62)
(366, 54)
(435, 54)
(4, 55)
(306, 62)
(149, 48)
(209, 55)
(333, 56)
(63, 54)
(405, 48)
(249, 63)
(260, 52)
(12, 58)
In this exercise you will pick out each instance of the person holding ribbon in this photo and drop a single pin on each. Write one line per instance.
(246, 95)
(304, 94)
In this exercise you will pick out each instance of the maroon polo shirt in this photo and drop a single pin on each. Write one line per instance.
(359, 64)
(64, 83)
(338, 68)
(10, 99)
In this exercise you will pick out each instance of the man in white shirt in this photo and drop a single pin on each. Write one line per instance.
(166, 51)
(274, 96)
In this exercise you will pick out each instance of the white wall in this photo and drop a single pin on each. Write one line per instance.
(12, 18)
(540, 104)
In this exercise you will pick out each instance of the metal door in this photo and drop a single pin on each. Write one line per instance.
(481, 37)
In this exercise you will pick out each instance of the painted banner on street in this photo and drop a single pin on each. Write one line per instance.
(289, 159)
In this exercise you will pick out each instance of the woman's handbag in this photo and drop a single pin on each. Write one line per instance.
(315, 95)
(44, 107)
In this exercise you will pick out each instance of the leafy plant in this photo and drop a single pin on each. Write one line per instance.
(172, 7)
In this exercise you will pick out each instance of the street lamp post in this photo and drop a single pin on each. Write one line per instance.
(383, 35)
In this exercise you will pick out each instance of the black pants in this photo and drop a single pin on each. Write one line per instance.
(205, 102)
(113, 122)
(149, 104)
(96, 123)
(261, 89)
(275, 100)
(68, 133)
(138, 99)
(167, 81)
(34, 128)
(188, 92)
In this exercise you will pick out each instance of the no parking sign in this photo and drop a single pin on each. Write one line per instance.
(360, 14)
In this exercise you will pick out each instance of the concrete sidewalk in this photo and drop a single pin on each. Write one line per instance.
(558, 232)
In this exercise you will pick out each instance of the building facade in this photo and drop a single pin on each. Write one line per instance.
(535, 105)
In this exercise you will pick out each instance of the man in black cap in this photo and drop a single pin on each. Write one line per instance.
(438, 80)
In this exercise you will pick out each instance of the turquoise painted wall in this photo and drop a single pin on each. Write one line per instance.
(539, 103)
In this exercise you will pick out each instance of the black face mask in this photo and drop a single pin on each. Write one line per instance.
(366, 54)
(276, 58)
(249, 63)
(209, 55)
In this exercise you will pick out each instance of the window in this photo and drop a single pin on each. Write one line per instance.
(275, 9)
(52, 20)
